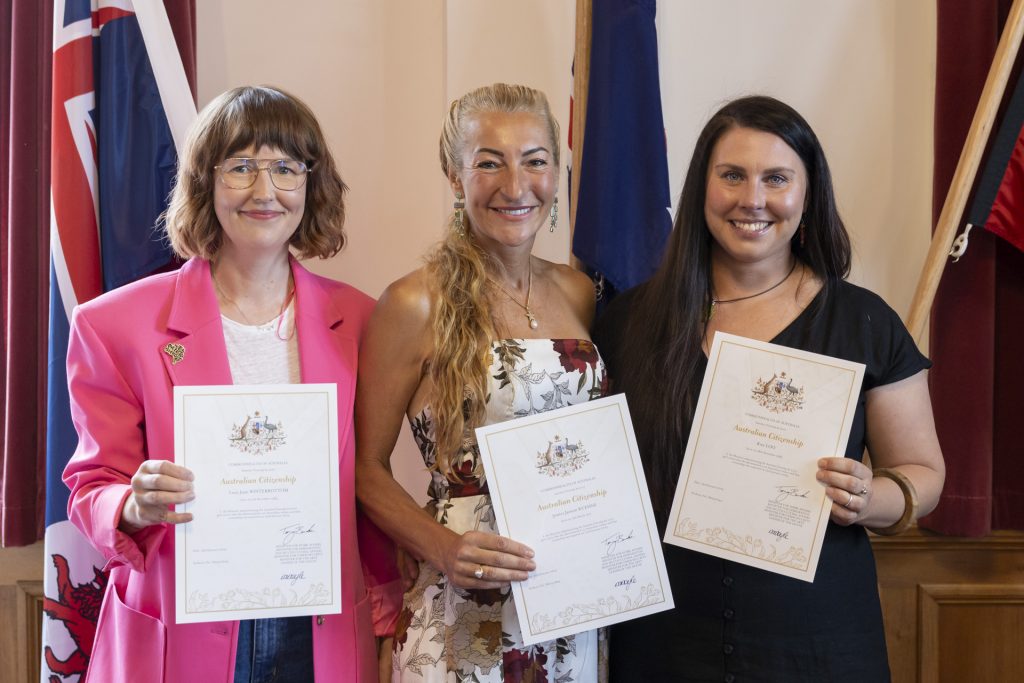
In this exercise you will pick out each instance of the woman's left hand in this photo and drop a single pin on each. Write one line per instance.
(849, 484)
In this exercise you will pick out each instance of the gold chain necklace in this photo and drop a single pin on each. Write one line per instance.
(280, 313)
(534, 324)
(717, 302)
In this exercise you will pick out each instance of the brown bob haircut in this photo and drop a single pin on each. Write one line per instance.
(255, 116)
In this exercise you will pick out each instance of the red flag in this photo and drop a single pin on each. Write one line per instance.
(1007, 216)
(999, 199)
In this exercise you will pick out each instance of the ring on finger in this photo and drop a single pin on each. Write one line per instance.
(849, 500)
(863, 491)
(479, 573)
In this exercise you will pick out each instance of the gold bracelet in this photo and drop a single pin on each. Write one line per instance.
(909, 502)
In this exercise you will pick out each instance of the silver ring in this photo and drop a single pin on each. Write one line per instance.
(479, 573)
(863, 491)
(850, 500)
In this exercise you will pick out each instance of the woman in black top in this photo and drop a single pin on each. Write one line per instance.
(759, 250)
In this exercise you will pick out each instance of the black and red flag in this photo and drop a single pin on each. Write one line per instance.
(999, 198)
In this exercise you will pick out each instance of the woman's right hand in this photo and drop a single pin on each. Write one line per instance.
(156, 485)
(479, 560)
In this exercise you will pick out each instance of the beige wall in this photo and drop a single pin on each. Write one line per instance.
(379, 74)
(863, 74)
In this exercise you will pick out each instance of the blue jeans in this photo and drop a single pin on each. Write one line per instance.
(275, 651)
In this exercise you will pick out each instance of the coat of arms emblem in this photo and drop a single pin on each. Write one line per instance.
(257, 435)
(562, 457)
(777, 394)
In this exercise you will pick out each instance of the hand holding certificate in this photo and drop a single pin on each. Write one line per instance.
(265, 537)
(569, 484)
(747, 491)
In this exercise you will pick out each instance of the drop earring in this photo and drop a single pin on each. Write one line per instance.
(459, 223)
(554, 216)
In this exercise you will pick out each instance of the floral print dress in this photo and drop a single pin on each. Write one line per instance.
(445, 633)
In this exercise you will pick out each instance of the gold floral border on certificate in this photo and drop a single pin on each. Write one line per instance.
(240, 599)
(542, 622)
(794, 557)
(651, 594)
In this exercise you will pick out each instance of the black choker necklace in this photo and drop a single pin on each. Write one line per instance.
(717, 302)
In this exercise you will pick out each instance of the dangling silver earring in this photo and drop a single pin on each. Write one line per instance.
(554, 215)
(460, 205)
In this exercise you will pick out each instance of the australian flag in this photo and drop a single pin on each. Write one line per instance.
(121, 101)
(622, 213)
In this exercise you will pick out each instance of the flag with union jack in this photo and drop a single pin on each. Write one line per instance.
(121, 105)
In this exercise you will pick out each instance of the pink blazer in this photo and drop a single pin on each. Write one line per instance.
(121, 382)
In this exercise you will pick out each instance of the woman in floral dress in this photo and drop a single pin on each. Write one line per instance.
(484, 332)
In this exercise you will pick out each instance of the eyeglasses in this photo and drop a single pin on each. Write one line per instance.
(240, 173)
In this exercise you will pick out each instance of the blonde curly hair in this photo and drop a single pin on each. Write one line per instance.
(462, 326)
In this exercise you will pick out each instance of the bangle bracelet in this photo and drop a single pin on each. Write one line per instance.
(909, 502)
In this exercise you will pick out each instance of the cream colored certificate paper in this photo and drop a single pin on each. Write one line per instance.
(747, 491)
(569, 484)
(265, 538)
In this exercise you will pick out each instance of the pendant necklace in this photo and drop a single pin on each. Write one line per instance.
(717, 302)
(525, 306)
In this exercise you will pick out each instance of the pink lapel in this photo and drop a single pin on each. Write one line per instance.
(199, 356)
(327, 348)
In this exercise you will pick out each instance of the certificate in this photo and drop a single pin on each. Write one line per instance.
(265, 537)
(569, 484)
(747, 491)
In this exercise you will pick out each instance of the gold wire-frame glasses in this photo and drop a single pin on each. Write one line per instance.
(240, 173)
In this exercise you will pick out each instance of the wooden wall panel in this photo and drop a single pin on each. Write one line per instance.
(973, 619)
(21, 613)
(953, 607)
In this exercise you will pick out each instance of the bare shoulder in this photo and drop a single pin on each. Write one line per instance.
(406, 306)
(577, 288)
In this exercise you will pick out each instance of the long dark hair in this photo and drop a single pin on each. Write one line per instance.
(666, 325)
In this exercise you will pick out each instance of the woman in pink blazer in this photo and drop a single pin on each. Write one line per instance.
(241, 310)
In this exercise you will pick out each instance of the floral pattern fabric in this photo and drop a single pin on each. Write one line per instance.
(445, 633)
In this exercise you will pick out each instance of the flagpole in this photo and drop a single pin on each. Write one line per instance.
(580, 85)
(966, 169)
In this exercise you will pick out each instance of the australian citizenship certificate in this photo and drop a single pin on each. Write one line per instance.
(569, 484)
(265, 536)
(747, 491)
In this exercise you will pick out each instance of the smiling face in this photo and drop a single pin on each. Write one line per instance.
(259, 220)
(508, 177)
(756, 195)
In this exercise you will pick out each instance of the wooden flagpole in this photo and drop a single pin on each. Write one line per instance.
(580, 86)
(966, 170)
